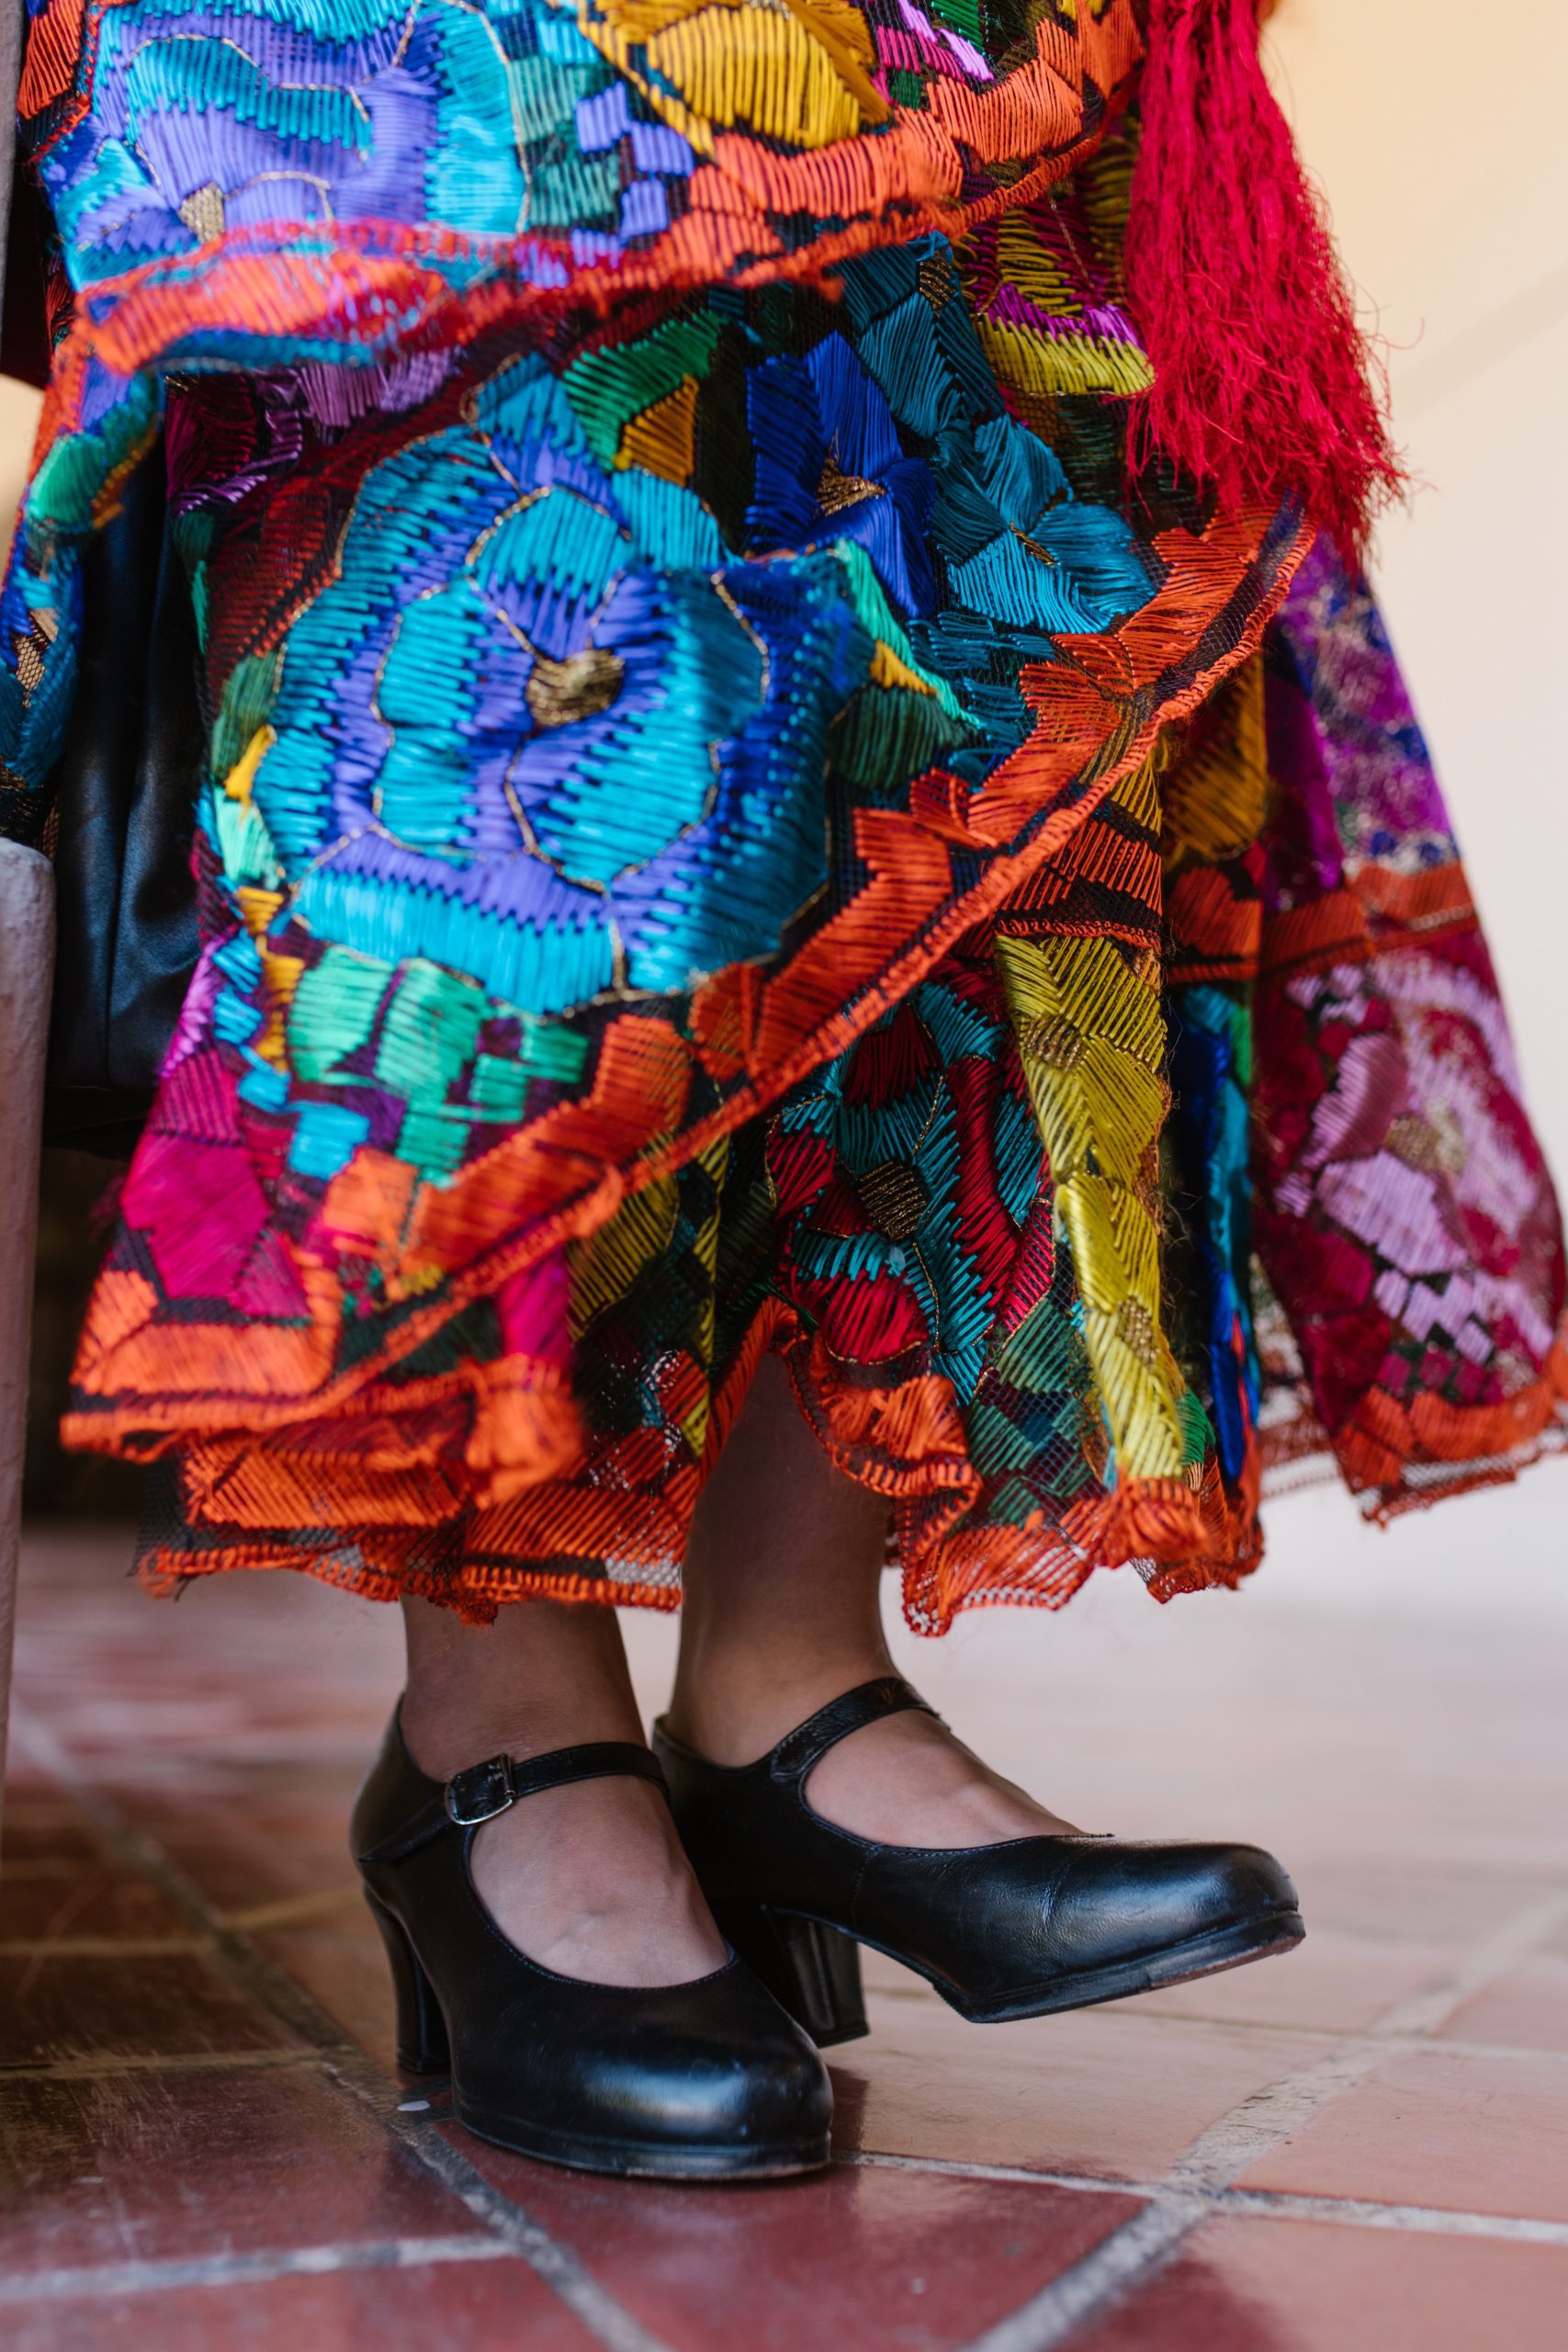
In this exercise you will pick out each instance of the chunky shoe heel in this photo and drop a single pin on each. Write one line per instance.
(421, 2029)
(1014, 1929)
(811, 1970)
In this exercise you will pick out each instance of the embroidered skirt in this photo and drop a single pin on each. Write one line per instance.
(745, 812)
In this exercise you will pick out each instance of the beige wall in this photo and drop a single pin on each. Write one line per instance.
(1435, 127)
(18, 422)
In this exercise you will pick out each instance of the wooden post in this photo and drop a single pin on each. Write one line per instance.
(27, 970)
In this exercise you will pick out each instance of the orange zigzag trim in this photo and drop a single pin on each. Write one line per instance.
(581, 1160)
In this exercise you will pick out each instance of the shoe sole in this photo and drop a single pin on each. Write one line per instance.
(429, 2063)
(1232, 1946)
(1206, 1955)
(628, 2160)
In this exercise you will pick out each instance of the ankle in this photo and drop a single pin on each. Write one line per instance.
(544, 1676)
(444, 1735)
(733, 1706)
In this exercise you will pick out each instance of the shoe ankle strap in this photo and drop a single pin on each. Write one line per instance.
(501, 1781)
(485, 1790)
(868, 1702)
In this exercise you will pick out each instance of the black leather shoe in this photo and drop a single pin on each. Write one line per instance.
(707, 2080)
(1010, 1930)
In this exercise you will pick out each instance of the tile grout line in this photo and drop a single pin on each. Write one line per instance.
(100, 2281)
(1195, 2189)
(1217, 2159)
(102, 1947)
(184, 2061)
(249, 1969)
(510, 2225)
(1356, 2212)
(1417, 2220)
(1014, 2176)
(1430, 2005)
(1329, 2036)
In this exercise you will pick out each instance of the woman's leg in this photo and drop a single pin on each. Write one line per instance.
(782, 1612)
(589, 1880)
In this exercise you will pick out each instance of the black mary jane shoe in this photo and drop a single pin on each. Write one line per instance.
(707, 2080)
(1009, 1930)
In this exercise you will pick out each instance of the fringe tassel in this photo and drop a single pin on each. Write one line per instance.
(1264, 385)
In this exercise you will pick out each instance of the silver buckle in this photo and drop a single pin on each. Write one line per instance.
(481, 1793)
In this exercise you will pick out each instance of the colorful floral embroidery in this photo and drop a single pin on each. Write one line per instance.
(739, 817)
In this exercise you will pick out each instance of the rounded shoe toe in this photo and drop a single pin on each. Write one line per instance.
(1134, 1898)
(756, 2083)
(705, 2078)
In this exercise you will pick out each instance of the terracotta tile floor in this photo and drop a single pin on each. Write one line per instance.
(1360, 2148)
